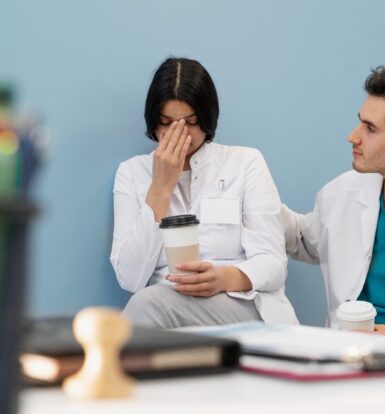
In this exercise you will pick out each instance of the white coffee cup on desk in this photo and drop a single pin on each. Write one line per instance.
(356, 316)
(181, 240)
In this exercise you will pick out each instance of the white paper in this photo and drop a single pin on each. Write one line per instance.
(298, 341)
(220, 211)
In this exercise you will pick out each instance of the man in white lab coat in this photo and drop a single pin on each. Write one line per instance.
(345, 233)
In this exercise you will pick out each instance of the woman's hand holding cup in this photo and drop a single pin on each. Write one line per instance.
(208, 279)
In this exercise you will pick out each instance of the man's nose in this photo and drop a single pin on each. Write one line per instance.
(355, 136)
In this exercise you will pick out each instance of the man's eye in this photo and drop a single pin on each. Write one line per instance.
(370, 128)
(164, 123)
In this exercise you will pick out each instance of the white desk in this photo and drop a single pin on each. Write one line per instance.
(229, 393)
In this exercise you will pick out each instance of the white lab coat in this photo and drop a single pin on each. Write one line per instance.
(338, 234)
(256, 245)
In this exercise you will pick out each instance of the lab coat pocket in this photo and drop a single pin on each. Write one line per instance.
(220, 241)
(220, 227)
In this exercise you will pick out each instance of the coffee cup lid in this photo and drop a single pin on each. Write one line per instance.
(358, 310)
(178, 221)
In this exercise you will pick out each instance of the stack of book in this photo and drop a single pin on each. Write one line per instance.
(50, 352)
(302, 352)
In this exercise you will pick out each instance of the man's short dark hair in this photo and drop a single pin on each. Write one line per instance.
(188, 81)
(375, 83)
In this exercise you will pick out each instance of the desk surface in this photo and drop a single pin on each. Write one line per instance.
(227, 393)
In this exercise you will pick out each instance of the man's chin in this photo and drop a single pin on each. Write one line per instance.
(362, 169)
(358, 168)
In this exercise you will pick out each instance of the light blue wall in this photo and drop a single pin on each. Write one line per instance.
(289, 76)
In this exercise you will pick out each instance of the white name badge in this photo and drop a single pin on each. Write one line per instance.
(220, 211)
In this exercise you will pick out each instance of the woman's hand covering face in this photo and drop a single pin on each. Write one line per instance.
(169, 160)
(170, 156)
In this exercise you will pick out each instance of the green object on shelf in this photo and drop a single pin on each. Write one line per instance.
(9, 162)
(9, 144)
(8, 174)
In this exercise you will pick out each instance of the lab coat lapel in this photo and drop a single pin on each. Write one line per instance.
(368, 197)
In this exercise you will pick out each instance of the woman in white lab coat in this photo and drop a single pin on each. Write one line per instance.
(242, 271)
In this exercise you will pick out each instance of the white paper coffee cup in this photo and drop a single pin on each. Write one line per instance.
(356, 316)
(181, 240)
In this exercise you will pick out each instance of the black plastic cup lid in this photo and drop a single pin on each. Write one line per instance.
(179, 221)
